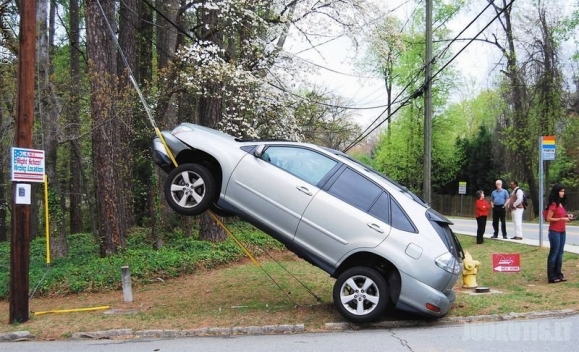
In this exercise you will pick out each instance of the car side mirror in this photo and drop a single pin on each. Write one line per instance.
(258, 151)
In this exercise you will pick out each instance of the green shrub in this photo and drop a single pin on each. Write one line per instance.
(84, 271)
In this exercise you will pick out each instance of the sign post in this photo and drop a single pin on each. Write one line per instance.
(546, 152)
(462, 192)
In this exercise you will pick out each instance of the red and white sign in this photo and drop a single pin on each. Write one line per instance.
(506, 262)
(27, 165)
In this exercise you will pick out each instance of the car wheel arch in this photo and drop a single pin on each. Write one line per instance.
(378, 263)
(204, 159)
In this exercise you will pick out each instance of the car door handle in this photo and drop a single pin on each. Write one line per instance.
(304, 190)
(375, 227)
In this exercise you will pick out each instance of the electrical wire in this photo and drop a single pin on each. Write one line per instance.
(369, 130)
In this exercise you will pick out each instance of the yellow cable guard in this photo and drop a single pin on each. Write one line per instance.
(245, 250)
(160, 135)
(46, 215)
(70, 310)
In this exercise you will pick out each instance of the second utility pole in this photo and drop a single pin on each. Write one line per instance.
(427, 187)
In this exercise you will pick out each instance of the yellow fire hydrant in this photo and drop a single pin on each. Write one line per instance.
(470, 268)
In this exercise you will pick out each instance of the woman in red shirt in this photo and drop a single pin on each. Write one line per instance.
(557, 217)
(482, 208)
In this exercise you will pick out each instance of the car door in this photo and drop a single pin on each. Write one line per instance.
(275, 189)
(354, 212)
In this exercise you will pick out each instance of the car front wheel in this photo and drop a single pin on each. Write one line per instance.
(361, 294)
(190, 189)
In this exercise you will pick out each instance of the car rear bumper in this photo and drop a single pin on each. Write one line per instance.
(416, 295)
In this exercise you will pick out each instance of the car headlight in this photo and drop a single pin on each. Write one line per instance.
(448, 262)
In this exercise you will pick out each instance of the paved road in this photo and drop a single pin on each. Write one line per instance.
(530, 232)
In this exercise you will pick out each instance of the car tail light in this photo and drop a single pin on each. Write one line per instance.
(431, 307)
(448, 262)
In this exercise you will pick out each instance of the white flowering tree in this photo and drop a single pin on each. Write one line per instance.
(236, 70)
(246, 83)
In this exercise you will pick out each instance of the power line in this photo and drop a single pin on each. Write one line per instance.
(418, 92)
(369, 130)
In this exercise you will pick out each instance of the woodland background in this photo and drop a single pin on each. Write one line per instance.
(224, 64)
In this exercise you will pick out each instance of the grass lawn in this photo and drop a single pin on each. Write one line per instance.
(284, 290)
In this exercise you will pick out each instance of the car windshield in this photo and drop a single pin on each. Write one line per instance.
(402, 188)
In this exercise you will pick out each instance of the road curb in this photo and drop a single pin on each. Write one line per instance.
(16, 336)
(450, 320)
(228, 331)
(292, 329)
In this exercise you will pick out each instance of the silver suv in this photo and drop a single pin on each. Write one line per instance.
(380, 241)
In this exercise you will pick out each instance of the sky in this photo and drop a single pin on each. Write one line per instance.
(343, 78)
(479, 63)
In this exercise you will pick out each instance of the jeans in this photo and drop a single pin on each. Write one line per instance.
(555, 258)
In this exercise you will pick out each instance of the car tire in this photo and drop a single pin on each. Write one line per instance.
(190, 189)
(361, 294)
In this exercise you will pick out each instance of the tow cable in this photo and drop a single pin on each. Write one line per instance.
(174, 161)
(254, 260)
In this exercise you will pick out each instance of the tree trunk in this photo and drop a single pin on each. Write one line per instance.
(519, 129)
(165, 113)
(50, 108)
(210, 230)
(145, 47)
(210, 114)
(523, 151)
(3, 200)
(128, 24)
(75, 165)
(550, 91)
(107, 159)
(166, 33)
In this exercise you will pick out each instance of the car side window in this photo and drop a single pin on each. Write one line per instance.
(355, 190)
(381, 209)
(306, 164)
(399, 218)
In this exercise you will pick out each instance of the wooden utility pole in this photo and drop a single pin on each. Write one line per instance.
(427, 187)
(20, 239)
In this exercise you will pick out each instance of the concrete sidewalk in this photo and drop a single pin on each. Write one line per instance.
(568, 247)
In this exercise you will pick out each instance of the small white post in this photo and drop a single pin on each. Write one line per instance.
(127, 286)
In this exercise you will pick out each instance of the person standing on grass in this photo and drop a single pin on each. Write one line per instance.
(515, 203)
(482, 208)
(499, 198)
(557, 217)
